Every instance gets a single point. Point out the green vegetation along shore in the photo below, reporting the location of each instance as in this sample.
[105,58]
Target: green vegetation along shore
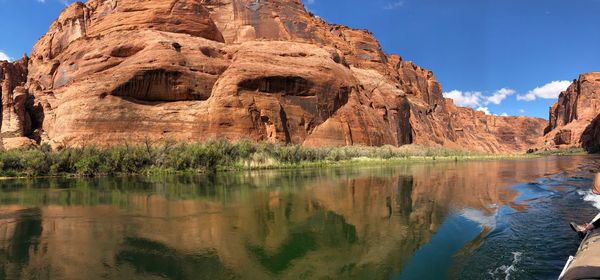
[172,157]
[563,152]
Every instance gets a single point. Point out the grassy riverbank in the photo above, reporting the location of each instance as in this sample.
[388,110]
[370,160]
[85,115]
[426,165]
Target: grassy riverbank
[170,157]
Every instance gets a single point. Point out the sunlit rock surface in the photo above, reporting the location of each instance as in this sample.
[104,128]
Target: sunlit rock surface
[18,110]
[574,118]
[109,72]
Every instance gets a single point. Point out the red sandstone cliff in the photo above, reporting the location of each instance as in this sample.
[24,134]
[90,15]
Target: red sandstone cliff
[110,71]
[574,118]
[17,107]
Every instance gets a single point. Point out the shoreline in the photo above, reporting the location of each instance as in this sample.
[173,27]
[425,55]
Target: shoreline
[222,156]
[152,171]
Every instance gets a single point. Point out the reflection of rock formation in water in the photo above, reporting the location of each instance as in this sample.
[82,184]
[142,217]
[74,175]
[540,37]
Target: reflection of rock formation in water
[154,258]
[19,237]
[339,223]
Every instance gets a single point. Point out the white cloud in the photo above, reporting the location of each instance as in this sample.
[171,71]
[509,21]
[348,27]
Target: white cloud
[486,110]
[504,115]
[476,99]
[310,2]
[521,111]
[66,2]
[466,99]
[394,5]
[4,56]
[548,91]
[498,96]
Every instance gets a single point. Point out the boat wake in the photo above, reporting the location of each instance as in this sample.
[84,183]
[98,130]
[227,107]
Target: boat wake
[590,197]
[504,271]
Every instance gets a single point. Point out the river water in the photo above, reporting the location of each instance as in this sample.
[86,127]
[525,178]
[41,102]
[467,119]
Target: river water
[450,220]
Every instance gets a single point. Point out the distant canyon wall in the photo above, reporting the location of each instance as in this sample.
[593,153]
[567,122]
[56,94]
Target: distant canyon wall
[575,117]
[115,71]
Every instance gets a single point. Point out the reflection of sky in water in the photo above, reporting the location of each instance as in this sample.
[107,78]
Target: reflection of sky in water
[480,217]
[434,260]
[532,239]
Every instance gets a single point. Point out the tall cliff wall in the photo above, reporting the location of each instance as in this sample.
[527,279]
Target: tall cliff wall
[16,128]
[115,71]
[574,118]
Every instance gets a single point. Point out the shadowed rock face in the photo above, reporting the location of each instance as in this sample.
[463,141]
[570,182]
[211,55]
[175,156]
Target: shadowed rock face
[110,71]
[574,117]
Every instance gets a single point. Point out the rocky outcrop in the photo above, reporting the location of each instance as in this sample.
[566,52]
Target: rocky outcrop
[16,126]
[109,72]
[574,117]
[493,133]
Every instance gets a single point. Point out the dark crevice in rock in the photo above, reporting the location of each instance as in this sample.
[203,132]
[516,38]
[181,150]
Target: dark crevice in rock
[590,138]
[405,131]
[109,65]
[288,85]
[157,85]
[55,66]
[284,124]
[339,59]
[211,52]
[342,98]
[298,54]
[125,51]
[176,46]
[35,113]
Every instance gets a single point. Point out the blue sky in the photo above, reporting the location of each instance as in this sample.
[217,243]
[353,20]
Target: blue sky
[506,56]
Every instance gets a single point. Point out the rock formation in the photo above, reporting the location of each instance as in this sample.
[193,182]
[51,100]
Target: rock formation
[16,126]
[115,71]
[574,118]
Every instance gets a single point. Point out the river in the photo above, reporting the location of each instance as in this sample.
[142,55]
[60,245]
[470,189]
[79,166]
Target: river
[505,219]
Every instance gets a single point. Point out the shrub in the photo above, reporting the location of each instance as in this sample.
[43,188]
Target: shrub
[209,156]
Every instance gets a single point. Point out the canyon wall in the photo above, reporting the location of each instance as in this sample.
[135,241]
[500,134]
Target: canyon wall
[574,118]
[16,127]
[116,71]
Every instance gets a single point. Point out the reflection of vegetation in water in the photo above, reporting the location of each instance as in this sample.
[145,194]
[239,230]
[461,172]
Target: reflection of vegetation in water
[154,258]
[118,190]
[295,247]
[322,230]
[111,191]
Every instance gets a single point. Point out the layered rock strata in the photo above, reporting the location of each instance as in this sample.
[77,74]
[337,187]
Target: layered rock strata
[574,118]
[109,72]
[17,127]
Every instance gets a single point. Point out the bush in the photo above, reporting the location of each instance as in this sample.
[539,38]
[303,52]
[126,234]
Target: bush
[36,162]
[209,156]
